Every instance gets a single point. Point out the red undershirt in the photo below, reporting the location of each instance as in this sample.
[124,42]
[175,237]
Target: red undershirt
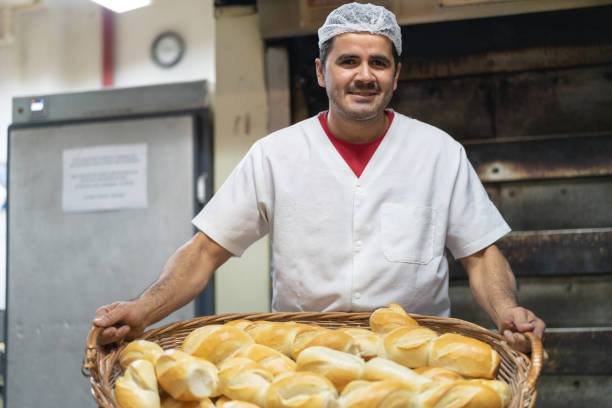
[356,155]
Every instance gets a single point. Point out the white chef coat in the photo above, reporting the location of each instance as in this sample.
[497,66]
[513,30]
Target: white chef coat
[342,243]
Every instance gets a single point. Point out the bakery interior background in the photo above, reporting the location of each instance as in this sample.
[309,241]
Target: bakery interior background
[525,85]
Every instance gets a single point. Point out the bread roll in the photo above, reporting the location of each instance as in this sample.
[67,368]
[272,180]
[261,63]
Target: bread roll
[243,379]
[408,346]
[367,341]
[273,361]
[215,342]
[241,324]
[460,394]
[139,350]
[170,402]
[224,402]
[301,390]
[332,339]
[389,318]
[438,374]
[378,394]
[338,367]
[137,387]
[464,355]
[380,369]
[185,377]
[501,388]
[276,335]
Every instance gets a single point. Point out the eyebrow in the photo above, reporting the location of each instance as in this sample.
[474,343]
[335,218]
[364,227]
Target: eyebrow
[375,57]
[343,56]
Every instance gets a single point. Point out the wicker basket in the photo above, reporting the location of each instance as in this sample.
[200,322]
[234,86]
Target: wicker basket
[101,364]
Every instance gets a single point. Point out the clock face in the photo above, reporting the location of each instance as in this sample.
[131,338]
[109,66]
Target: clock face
[167,49]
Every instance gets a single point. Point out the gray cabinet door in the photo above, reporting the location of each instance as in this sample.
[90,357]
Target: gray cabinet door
[63,265]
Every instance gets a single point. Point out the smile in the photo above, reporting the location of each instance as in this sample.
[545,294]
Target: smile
[364,94]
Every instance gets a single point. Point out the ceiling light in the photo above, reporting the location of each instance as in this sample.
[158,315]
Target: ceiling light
[120,6]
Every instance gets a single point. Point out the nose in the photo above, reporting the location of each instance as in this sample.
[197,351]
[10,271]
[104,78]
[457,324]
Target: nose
[364,73]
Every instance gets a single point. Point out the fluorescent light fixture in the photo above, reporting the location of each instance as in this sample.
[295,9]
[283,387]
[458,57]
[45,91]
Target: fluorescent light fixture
[120,6]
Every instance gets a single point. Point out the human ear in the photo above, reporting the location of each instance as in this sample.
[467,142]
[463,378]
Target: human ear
[320,68]
[396,78]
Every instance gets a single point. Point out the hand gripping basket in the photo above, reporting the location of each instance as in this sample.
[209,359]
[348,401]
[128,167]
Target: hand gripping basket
[101,364]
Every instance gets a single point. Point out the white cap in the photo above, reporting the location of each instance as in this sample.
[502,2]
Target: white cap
[355,17]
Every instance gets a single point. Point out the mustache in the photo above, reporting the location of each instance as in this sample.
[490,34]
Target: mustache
[363,86]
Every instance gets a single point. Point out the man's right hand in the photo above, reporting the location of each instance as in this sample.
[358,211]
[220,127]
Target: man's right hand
[121,320]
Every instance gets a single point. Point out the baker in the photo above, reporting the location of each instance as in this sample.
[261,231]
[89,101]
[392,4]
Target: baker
[360,203]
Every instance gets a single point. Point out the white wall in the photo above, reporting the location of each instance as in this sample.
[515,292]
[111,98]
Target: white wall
[242,285]
[137,29]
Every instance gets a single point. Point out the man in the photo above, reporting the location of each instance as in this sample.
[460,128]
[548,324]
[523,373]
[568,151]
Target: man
[360,203]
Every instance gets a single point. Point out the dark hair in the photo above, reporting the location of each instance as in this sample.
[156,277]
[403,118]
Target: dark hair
[326,48]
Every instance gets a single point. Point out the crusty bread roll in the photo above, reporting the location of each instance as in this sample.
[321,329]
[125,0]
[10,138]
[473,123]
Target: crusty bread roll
[464,355]
[139,350]
[381,369]
[276,335]
[367,341]
[385,319]
[239,323]
[332,339]
[273,361]
[460,394]
[338,367]
[137,387]
[170,402]
[185,377]
[301,390]
[224,402]
[215,342]
[243,379]
[378,394]
[438,374]
[501,388]
[408,346]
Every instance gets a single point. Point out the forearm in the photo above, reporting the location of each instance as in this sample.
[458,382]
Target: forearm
[183,277]
[491,281]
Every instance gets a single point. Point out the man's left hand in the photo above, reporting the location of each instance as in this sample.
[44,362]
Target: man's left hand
[516,320]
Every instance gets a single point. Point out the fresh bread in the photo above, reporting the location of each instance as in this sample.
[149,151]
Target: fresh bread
[381,369]
[460,394]
[243,379]
[301,390]
[170,402]
[408,346]
[438,374]
[338,367]
[367,341]
[139,350]
[224,402]
[185,377]
[464,355]
[273,361]
[276,335]
[332,339]
[137,387]
[501,388]
[378,394]
[239,323]
[385,319]
[215,342]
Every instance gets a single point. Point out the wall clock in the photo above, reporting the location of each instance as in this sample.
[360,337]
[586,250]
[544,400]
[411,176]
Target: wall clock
[167,49]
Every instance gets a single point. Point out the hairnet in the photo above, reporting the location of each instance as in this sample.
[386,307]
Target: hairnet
[355,17]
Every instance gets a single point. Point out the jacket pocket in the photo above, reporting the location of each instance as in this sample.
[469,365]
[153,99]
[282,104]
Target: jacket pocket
[407,232]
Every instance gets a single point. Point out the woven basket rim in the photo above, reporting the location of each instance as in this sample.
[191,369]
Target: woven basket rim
[101,363]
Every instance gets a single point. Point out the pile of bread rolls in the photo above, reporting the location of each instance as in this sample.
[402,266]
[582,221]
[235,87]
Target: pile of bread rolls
[248,364]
